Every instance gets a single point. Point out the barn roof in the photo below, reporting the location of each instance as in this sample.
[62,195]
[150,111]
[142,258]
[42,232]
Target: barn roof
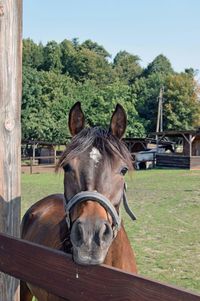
[176,133]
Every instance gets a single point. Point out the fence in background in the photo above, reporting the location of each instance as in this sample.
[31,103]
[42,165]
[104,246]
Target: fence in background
[37,164]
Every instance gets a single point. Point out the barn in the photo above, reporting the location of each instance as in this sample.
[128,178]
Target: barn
[187,149]
[135,145]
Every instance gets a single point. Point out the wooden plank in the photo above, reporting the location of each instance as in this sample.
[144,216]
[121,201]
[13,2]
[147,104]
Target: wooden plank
[56,272]
[10,140]
[175,161]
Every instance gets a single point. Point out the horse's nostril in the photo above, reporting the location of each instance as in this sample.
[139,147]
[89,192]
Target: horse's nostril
[105,232]
[77,234]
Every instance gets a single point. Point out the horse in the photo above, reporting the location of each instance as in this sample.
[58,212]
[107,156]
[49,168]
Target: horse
[85,220]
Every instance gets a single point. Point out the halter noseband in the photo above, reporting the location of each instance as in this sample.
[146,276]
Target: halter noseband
[103,201]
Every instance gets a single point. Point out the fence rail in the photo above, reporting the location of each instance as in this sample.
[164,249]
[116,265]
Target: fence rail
[33,162]
[57,273]
[31,158]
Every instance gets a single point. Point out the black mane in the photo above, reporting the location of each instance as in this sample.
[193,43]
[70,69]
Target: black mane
[103,140]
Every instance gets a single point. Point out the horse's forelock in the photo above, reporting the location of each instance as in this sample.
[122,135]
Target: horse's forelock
[103,140]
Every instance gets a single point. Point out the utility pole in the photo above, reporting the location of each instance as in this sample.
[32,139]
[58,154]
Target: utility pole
[159,125]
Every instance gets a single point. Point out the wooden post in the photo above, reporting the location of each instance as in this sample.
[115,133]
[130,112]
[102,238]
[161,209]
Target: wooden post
[154,160]
[33,149]
[190,145]
[10,129]
[55,158]
[31,165]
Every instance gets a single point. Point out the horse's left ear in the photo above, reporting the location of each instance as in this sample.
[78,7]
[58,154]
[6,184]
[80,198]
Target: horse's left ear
[76,119]
[118,122]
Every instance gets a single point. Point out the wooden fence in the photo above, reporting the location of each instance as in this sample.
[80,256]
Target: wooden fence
[177,161]
[33,163]
[57,273]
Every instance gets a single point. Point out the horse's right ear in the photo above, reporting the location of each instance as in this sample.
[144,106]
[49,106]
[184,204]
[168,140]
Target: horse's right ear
[118,122]
[76,119]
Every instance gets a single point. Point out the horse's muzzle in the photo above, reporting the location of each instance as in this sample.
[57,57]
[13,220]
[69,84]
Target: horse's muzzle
[91,240]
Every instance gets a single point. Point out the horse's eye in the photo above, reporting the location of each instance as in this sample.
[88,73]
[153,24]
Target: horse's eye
[123,171]
[67,168]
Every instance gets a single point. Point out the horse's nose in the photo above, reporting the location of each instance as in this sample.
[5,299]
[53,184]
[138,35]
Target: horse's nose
[88,233]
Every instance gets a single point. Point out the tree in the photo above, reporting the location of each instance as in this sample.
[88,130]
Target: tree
[98,49]
[160,64]
[52,57]
[47,97]
[83,63]
[32,54]
[182,103]
[57,75]
[68,57]
[126,67]
[93,66]
[181,109]
[146,91]
[100,102]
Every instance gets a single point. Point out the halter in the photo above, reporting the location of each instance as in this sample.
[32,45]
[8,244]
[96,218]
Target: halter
[103,201]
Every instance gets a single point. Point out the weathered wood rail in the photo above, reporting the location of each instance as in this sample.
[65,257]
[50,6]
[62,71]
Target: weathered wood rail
[58,274]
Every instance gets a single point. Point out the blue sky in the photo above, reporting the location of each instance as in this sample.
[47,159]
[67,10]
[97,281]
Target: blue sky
[146,28]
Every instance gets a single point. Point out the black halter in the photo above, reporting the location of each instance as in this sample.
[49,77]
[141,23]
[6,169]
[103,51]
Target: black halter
[104,202]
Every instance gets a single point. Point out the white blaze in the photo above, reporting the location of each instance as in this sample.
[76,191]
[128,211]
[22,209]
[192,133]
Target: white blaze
[95,155]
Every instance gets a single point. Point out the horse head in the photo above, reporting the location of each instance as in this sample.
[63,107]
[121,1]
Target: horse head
[94,164]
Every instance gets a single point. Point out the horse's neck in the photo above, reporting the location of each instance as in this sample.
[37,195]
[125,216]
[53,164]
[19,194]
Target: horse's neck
[120,254]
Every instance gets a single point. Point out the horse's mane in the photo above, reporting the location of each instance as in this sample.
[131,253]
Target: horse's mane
[103,140]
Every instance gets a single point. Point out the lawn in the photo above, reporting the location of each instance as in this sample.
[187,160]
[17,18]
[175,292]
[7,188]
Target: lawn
[166,235]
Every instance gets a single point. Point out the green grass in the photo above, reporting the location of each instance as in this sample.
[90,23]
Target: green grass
[166,235]
[37,186]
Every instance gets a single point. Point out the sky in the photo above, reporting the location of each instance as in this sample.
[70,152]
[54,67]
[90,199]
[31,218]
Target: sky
[145,28]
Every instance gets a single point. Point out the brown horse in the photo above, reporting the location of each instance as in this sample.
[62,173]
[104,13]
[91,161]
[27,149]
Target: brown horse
[85,221]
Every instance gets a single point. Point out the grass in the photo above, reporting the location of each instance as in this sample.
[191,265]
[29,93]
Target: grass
[166,235]
[37,186]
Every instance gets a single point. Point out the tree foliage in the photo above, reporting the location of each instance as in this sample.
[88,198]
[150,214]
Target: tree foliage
[46,99]
[32,54]
[127,67]
[147,90]
[52,57]
[181,107]
[160,64]
[98,49]
[56,75]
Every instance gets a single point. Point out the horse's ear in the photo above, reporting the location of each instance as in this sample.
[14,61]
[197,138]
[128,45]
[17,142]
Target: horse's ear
[118,122]
[76,119]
